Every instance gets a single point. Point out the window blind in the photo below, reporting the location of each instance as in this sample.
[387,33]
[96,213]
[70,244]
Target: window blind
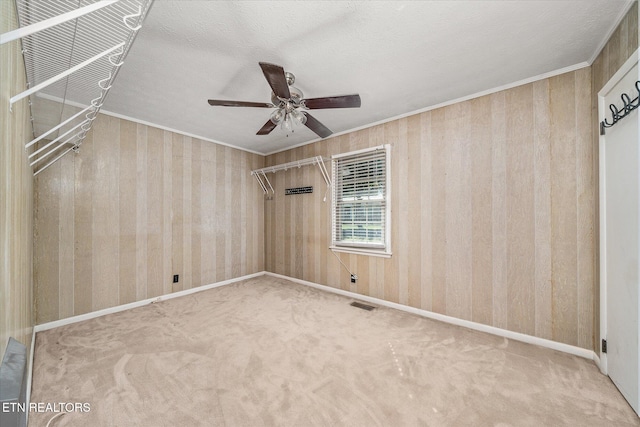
[360,200]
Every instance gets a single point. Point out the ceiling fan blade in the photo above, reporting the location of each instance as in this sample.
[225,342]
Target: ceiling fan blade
[267,128]
[346,101]
[224,103]
[276,78]
[320,129]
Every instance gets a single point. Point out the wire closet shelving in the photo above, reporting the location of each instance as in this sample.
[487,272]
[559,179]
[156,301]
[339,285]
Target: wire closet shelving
[72,52]
[261,174]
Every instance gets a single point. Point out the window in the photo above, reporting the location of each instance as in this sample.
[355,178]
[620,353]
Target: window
[360,208]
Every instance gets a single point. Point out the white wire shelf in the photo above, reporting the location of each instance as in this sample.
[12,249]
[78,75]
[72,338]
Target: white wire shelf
[72,52]
[261,174]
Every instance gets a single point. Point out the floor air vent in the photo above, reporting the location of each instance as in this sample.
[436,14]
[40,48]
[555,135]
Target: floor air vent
[362,306]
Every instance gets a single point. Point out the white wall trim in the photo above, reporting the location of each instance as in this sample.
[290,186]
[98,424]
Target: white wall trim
[447,103]
[522,82]
[554,345]
[529,339]
[613,28]
[144,122]
[123,307]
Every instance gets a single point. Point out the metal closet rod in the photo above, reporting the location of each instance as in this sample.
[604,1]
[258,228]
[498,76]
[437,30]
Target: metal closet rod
[261,174]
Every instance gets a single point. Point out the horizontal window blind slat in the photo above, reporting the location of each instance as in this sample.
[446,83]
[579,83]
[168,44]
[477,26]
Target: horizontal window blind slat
[359,200]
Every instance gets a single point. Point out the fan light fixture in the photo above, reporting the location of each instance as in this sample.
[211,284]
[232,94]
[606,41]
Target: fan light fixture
[291,109]
[289,113]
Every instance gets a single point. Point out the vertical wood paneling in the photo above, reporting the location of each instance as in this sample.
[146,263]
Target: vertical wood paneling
[231,213]
[167,188]
[481,211]
[136,206]
[305,222]
[458,211]
[221,237]
[106,218]
[208,194]
[196,212]
[297,229]
[65,255]
[520,210]
[426,232]
[438,211]
[277,180]
[177,219]
[499,209]
[16,197]
[241,254]
[505,232]
[402,180]
[83,224]
[414,212]
[47,217]
[154,213]
[186,272]
[476,219]
[563,207]
[542,190]
[585,214]
[127,212]
[257,217]
[141,210]
[288,220]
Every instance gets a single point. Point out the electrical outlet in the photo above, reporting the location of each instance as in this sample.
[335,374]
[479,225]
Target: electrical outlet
[176,278]
[354,278]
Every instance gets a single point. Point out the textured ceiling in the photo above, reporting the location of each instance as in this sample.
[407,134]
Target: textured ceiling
[399,56]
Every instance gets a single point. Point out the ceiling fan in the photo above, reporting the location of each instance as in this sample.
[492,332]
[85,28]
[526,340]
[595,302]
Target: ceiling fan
[291,107]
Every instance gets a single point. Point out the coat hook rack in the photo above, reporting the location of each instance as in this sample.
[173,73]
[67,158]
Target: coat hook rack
[628,106]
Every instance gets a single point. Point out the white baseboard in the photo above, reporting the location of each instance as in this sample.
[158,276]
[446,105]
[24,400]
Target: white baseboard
[530,339]
[123,307]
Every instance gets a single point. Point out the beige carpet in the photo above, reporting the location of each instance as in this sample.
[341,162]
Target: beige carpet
[268,352]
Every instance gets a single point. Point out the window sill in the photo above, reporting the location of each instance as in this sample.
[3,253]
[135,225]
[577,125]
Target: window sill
[361,251]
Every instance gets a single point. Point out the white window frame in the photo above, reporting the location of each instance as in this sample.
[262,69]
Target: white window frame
[381,252]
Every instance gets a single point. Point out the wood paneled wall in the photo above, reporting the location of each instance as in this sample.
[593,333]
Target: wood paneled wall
[137,205]
[495,209]
[492,212]
[623,42]
[16,194]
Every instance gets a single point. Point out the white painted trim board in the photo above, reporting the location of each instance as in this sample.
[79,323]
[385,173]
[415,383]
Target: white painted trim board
[116,309]
[123,307]
[366,126]
[529,339]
